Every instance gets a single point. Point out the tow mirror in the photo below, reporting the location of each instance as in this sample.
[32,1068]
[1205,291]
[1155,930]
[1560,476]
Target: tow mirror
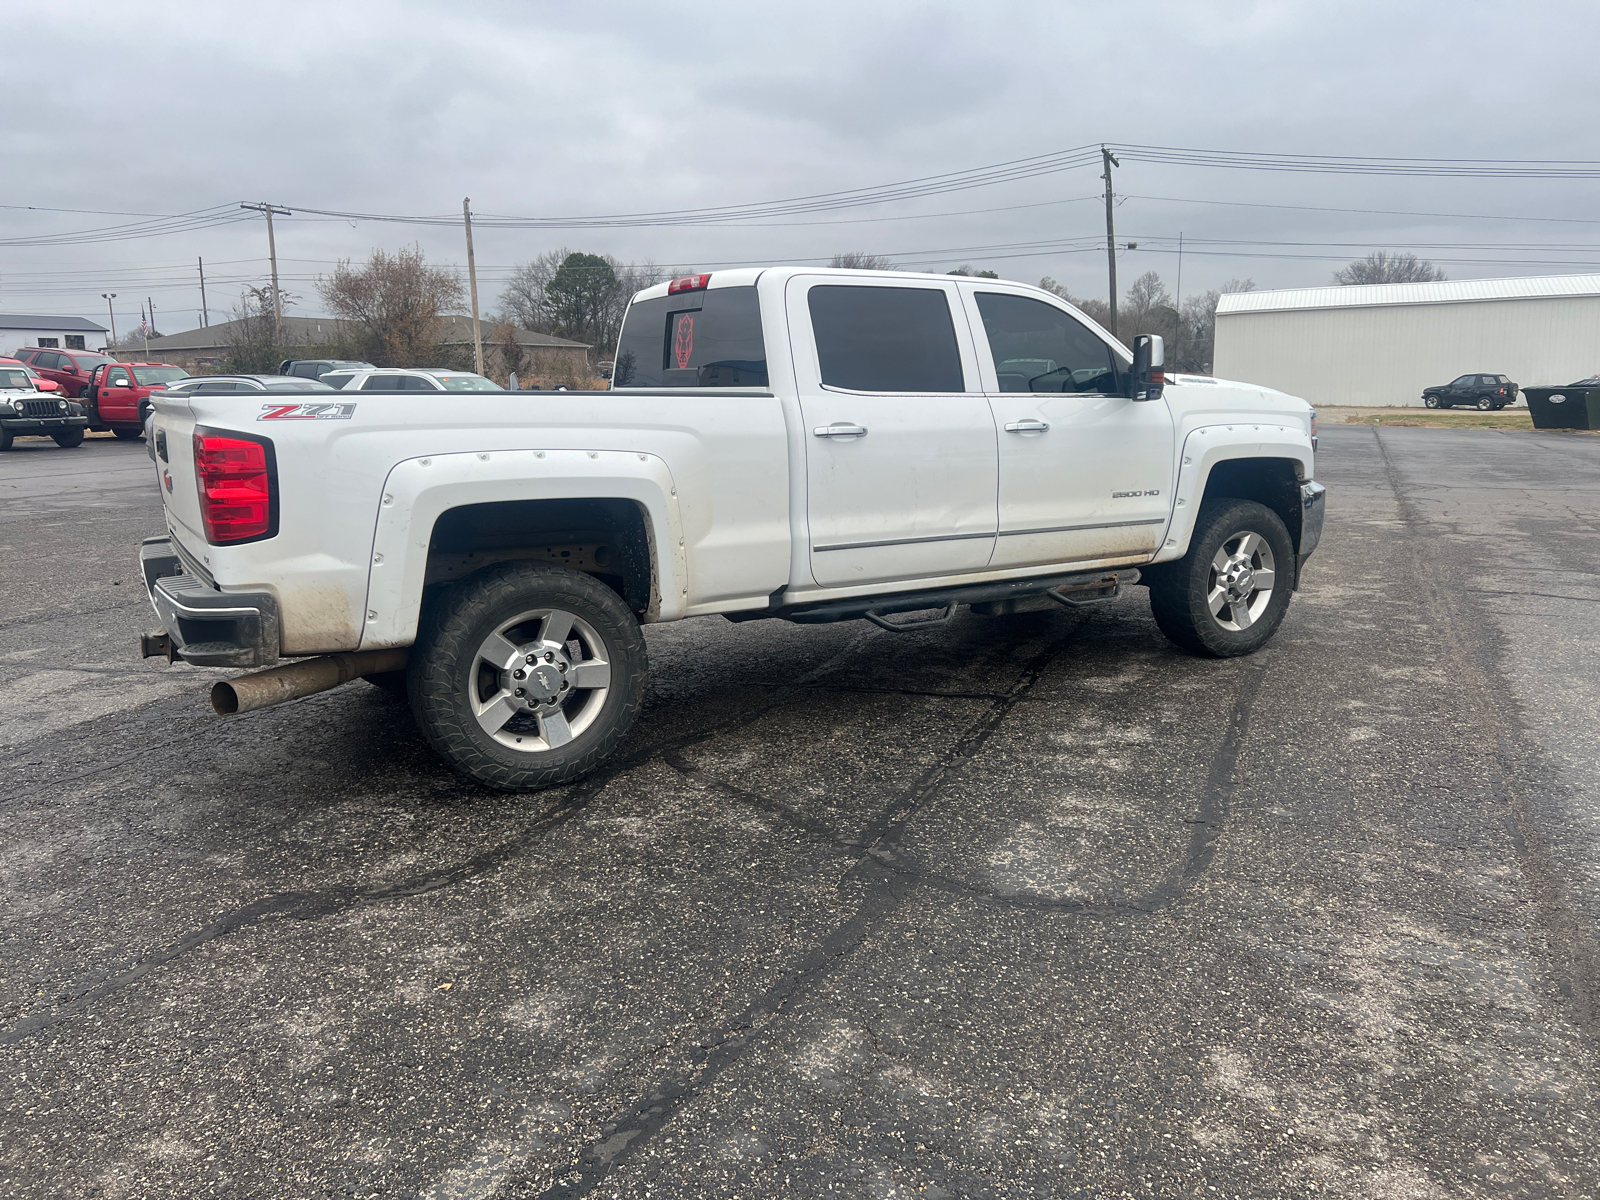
[1149,361]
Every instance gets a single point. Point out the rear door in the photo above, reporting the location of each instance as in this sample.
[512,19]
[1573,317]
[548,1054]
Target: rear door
[1085,472]
[901,464]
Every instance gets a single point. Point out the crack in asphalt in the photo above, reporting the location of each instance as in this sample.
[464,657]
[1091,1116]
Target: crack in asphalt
[886,885]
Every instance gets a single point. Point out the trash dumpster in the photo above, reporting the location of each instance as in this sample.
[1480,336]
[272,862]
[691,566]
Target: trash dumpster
[1576,407]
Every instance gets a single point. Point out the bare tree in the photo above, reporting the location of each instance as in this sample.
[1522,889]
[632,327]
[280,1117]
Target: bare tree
[860,260]
[1096,310]
[1200,325]
[1382,267]
[253,346]
[528,302]
[393,305]
[524,300]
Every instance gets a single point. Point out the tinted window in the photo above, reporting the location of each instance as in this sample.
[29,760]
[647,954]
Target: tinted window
[308,370]
[885,339]
[222,386]
[47,361]
[1464,381]
[1039,348]
[118,378]
[415,383]
[381,383]
[696,339]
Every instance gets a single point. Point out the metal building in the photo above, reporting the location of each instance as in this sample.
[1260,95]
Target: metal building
[1384,343]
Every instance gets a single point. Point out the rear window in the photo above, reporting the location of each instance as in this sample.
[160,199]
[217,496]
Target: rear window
[885,339]
[710,338]
[148,375]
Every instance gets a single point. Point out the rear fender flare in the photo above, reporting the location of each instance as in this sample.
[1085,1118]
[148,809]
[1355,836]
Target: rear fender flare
[420,490]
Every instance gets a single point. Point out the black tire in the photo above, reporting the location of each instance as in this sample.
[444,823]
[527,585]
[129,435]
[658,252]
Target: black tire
[68,439]
[448,677]
[128,433]
[1431,401]
[1485,404]
[393,682]
[1181,591]
[6,438]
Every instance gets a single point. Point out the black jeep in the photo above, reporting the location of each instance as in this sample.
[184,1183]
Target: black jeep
[1487,392]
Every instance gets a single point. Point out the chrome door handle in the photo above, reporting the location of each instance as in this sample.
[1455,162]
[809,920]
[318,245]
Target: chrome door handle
[840,429]
[1029,426]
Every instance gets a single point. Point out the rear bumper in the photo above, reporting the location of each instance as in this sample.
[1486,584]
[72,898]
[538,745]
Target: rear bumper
[1313,507]
[209,628]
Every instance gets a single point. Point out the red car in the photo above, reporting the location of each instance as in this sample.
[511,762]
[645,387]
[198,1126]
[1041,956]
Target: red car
[48,386]
[119,394]
[70,368]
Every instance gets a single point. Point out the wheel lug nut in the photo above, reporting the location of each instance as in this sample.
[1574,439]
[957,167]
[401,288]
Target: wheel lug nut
[519,691]
[519,673]
[563,668]
[549,657]
[533,658]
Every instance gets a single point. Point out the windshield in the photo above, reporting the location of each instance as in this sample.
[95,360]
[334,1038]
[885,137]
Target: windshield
[88,362]
[468,383]
[15,377]
[149,375]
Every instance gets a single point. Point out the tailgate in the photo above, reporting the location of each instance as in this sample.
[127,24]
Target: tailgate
[172,446]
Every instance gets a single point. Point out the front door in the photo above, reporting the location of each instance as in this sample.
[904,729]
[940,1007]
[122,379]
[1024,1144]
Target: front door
[901,463]
[1085,472]
[116,400]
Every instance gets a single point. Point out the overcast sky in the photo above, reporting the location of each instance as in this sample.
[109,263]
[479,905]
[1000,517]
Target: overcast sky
[564,109]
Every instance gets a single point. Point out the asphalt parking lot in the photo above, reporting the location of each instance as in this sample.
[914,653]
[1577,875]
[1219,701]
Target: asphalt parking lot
[1034,906]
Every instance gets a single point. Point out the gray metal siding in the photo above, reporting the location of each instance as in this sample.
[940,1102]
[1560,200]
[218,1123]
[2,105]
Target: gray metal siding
[1388,354]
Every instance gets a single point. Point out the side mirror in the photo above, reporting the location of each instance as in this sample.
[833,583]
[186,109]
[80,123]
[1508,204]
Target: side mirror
[1149,361]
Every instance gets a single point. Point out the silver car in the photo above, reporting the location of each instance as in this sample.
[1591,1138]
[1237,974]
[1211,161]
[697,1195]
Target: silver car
[211,384]
[403,379]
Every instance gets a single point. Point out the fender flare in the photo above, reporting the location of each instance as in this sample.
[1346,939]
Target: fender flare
[418,491]
[1204,448]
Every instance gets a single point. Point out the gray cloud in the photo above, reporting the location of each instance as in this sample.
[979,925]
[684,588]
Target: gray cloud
[543,109]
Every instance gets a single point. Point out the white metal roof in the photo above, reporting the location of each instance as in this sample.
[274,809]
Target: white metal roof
[1447,291]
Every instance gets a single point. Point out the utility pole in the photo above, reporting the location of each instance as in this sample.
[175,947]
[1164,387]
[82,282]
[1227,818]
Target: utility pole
[472,276]
[108,297]
[1111,234]
[1178,304]
[272,252]
[205,310]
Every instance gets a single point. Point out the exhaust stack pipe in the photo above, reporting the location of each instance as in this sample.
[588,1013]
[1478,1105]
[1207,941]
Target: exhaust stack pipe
[246,693]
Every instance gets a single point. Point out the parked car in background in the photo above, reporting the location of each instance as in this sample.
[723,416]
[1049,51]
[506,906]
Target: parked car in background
[243,383]
[1485,391]
[316,368]
[25,411]
[72,369]
[422,379]
[119,394]
[39,381]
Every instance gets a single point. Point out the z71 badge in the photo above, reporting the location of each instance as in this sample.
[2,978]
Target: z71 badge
[306,412]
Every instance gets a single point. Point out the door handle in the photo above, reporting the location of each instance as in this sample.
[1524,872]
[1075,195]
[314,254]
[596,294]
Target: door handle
[840,429]
[1028,426]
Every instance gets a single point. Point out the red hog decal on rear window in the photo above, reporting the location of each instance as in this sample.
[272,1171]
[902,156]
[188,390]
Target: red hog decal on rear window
[683,340]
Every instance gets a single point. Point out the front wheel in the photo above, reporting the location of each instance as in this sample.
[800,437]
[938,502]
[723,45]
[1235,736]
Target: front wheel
[527,675]
[1431,401]
[6,437]
[68,439]
[128,433]
[1229,594]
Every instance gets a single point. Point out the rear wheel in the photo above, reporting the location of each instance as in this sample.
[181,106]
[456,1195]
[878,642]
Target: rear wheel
[68,439]
[1228,595]
[1485,404]
[527,675]
[128,433]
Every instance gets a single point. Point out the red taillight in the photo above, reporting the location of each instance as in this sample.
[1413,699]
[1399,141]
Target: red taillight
[688,283]
[235,475]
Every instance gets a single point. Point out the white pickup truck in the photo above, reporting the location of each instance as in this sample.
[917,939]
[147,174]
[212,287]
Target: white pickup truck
[811,445]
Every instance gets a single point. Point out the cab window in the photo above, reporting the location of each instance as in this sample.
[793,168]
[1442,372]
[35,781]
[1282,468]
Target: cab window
[885,339]
[1040,348]
[119,377]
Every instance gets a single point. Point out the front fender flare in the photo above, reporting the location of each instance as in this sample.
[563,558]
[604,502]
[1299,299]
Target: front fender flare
[1209,445]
